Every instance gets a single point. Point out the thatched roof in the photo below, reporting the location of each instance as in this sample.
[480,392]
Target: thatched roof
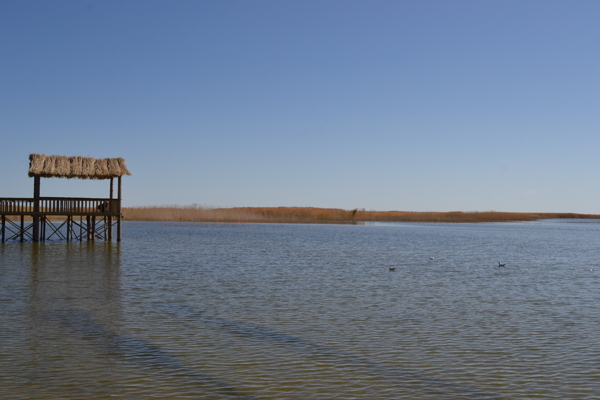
[76,167]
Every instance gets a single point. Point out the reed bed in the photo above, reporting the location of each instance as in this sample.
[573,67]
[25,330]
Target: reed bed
[194,213]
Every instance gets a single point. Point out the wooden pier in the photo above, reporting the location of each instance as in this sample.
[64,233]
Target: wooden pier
[65,218]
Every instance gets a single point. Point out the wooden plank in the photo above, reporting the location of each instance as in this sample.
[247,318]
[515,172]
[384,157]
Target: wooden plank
[73,198]
[41,214]
[14,199]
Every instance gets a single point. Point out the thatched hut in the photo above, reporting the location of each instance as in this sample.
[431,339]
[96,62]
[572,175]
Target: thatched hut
[45,166]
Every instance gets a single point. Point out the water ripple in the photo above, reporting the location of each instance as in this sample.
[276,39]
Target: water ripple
[217,311]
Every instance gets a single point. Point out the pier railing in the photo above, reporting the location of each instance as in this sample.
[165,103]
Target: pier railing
[60,206]
[36,219]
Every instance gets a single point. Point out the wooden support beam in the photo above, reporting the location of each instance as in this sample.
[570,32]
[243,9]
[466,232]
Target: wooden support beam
[22,227]
[110,205]
[88,229]
[36,208]
[3,227]
[120,217]
[68,228]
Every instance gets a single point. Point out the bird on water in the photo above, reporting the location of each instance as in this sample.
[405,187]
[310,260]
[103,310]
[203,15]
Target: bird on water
[501,265]
[392,269]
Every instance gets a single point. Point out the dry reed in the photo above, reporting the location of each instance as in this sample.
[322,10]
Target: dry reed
[196,213]
[76,167]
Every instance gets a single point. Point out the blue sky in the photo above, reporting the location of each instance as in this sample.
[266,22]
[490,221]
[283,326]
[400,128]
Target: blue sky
[385,105]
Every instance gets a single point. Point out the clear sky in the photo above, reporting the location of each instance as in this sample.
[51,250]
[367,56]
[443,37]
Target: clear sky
[384,105]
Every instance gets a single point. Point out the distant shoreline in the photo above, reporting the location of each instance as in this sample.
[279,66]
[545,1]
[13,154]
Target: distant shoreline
[314,215]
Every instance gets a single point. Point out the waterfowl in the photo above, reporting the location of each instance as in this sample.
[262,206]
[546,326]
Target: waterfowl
[501,265]
[392,269]
[432,258]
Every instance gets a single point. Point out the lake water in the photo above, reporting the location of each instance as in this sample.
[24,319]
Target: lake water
[252,311]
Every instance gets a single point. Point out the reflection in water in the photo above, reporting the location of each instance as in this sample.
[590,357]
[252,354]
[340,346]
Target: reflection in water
[84,275]
[54,277]
[73,315]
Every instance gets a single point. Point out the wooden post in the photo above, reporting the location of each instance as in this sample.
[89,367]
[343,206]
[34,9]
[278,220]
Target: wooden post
[68,228]
[22,226]
[81,228]
[119,217]
[110,209]
[93,227]
[36,208]
[88,229]
[3,227]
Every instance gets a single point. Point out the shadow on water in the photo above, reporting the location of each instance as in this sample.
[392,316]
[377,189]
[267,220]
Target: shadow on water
[75,299]
[132,349]
[425,384]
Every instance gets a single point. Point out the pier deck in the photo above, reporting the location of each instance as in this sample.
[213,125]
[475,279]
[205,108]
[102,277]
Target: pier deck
[63,218]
